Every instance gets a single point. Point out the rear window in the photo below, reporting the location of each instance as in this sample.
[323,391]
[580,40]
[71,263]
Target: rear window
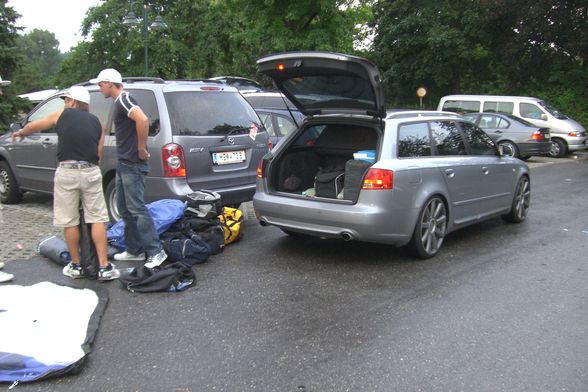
[414,140]
[205,113]
[462,106]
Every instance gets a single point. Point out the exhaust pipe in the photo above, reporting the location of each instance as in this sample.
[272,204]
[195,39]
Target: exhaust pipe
[347,236]
[263,223]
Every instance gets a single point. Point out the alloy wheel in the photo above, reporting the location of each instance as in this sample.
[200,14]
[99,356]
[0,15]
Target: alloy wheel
[522,199]
[433,226]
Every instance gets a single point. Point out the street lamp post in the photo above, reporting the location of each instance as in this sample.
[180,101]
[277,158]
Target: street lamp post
[132,20]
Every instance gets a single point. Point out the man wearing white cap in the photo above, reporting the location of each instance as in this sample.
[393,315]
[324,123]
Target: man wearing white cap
[132,129]
[78,177]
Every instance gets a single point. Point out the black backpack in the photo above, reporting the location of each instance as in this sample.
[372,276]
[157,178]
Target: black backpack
[173,277]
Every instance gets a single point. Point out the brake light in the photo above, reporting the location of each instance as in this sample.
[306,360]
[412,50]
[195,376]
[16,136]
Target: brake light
[280,67]
[260,171]
[537,135]
[173,161]
[376,179]
[207,88]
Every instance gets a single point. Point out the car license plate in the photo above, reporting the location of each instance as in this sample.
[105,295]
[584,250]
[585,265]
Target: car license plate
[223,158]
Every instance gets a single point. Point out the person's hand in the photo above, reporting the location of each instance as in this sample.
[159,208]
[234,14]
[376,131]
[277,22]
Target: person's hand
[144,154]
[15,135]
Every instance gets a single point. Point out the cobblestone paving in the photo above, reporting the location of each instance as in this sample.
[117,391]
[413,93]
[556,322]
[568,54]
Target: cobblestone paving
[23,225]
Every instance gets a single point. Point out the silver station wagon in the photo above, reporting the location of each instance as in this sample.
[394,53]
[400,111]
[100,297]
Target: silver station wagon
[353,172]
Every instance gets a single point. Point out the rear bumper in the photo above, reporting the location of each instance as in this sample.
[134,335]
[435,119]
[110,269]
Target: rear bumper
[363,221]
[536,148]
[157,188]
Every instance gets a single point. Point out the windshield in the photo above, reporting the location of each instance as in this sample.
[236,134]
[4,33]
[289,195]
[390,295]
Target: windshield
[553,111]
[209,113]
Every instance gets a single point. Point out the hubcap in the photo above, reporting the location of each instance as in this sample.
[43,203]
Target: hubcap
[433,225]
[508,149]
[554,151]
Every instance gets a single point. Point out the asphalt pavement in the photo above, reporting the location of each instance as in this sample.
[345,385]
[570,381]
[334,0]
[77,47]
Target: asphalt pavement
[501,308]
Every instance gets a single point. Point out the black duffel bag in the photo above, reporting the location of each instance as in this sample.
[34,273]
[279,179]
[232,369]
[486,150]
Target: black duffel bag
[328,182]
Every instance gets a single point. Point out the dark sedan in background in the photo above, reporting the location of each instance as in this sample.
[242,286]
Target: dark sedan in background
[518,138]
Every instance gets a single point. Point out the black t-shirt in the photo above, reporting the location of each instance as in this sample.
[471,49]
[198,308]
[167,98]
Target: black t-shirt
[78,136]
[126,130]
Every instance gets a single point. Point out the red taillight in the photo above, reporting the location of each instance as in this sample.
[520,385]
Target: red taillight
[378,179]
[208,88]
[173,161]
[260,173]
[270,145]
[280,67]
[574,134]
[537,135]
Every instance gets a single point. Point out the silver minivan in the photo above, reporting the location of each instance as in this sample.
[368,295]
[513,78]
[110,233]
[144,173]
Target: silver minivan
[567,135]
[202,135]
[354,172]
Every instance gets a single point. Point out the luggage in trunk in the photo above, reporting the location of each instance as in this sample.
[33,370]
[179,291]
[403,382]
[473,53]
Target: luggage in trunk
[355,169]
[328,182]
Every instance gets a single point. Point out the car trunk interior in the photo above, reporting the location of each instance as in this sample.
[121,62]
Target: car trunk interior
[320,161]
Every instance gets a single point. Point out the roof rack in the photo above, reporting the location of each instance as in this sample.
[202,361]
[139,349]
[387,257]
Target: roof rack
[143,79]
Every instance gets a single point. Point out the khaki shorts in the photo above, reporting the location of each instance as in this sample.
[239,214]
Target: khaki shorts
[73,185]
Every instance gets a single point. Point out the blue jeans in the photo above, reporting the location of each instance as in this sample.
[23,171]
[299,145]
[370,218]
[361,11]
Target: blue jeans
[140,233]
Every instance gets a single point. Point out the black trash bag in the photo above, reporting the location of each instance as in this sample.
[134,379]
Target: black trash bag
[173,277]
[88,256]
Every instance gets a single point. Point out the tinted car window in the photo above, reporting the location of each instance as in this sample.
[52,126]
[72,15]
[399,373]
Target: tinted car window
[530,111]
[286,126]
[195,113]
[47,108]
[480,143]
[266,120]
[447,138]
[414,140]
[499,107]
[462,106]
[100,106]
[147,102]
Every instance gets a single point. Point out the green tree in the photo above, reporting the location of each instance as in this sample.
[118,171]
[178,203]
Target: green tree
[10,105]
[41,61]
[208,38]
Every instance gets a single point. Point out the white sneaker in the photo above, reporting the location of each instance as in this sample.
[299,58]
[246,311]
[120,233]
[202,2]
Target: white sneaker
[156,260]
[126,256]
[2,264]
[4,277]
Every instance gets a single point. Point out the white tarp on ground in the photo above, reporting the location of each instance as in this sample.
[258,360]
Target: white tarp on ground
[46,328]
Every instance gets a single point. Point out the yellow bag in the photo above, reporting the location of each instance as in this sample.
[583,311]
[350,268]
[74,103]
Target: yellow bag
[230,220]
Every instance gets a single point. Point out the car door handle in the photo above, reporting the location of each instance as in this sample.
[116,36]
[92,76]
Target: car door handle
[47,142]
[449,173]
[485,170]
[497,131]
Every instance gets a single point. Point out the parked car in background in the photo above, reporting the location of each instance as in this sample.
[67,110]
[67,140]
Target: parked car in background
[518,138]
[355,173]
[202,135]
[566,134]
[241,84]
[279,116]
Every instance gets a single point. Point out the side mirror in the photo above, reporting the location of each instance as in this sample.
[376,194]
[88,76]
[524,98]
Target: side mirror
[500,149]
[15,127]
[543,116]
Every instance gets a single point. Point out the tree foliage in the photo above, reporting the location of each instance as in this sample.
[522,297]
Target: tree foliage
[10,105]
[510,47]
[208,38]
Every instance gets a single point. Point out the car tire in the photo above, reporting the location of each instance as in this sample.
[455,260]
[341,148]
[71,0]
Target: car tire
[430,228]
[520,203]
[110,196]
[9,192]
[509,149]
[558,148]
